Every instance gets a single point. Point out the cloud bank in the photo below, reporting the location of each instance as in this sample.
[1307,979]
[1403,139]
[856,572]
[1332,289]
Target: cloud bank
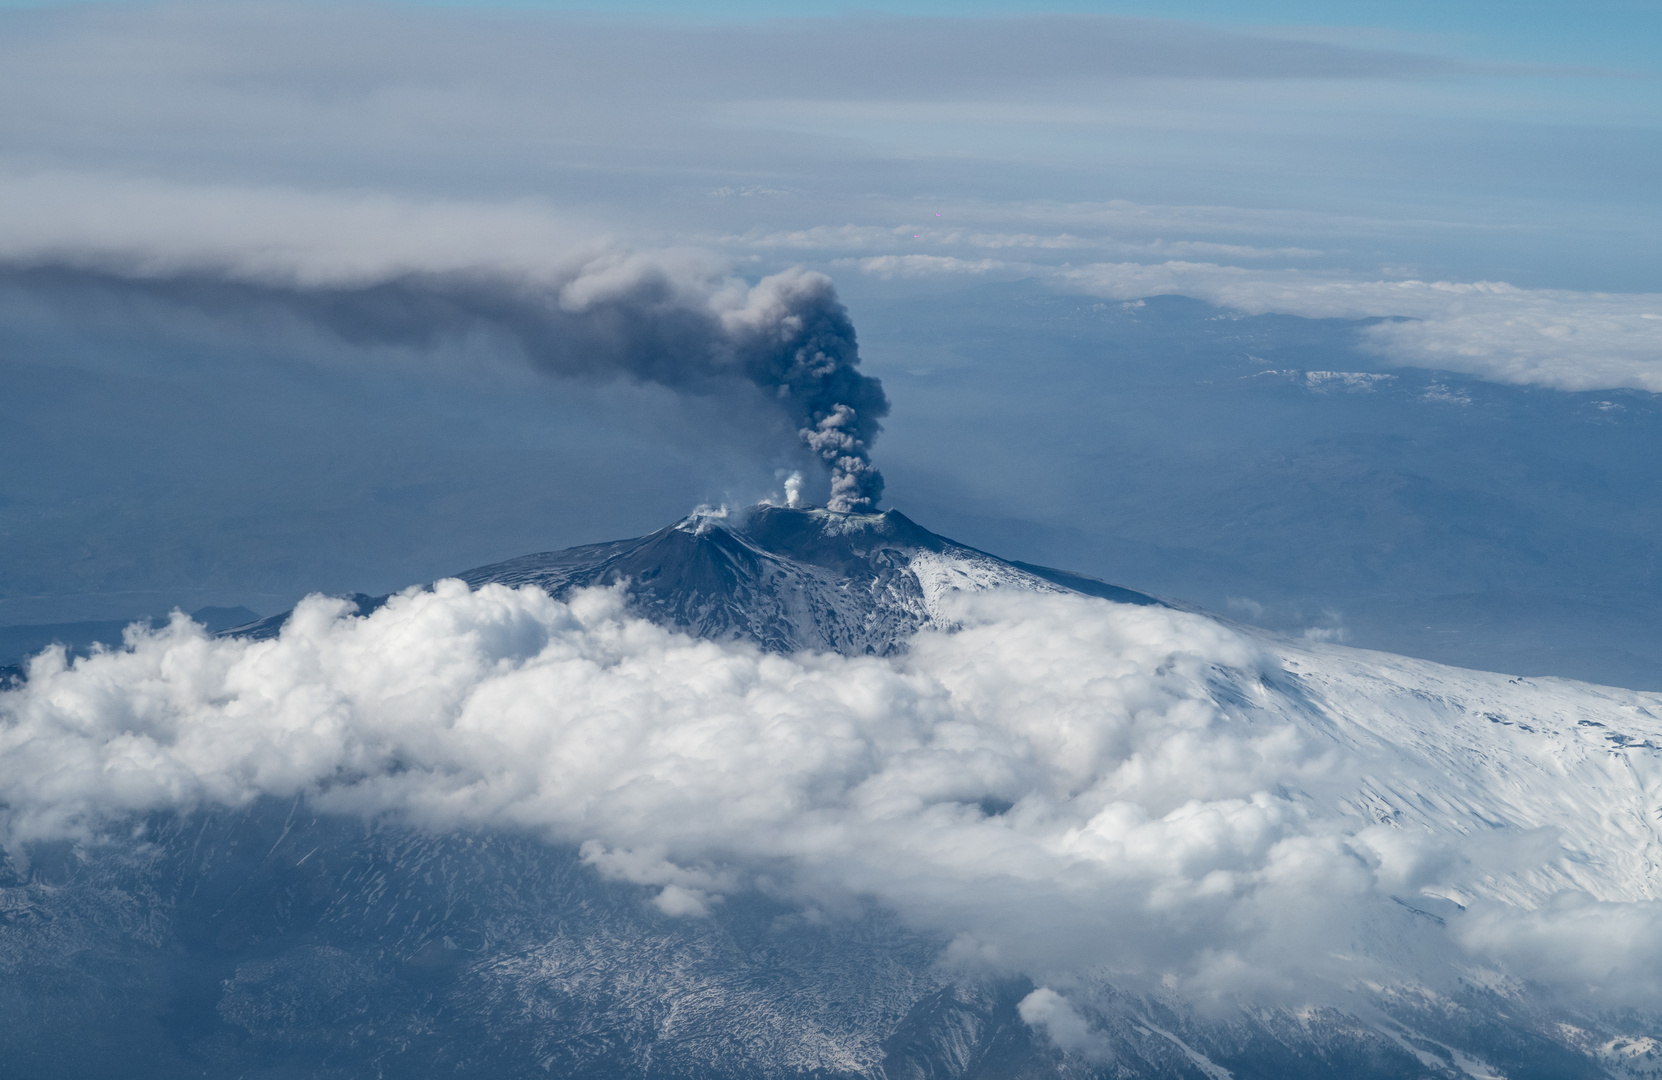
[1557,338]
[1066,787]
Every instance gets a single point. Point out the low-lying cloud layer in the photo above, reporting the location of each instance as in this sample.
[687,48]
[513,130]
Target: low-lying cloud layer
[1065,787]
[1544,337]
[1556,338]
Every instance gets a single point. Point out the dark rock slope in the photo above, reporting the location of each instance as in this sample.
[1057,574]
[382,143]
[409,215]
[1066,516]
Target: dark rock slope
[784,578]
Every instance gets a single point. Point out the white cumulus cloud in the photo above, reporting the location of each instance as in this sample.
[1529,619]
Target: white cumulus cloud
[1063,787]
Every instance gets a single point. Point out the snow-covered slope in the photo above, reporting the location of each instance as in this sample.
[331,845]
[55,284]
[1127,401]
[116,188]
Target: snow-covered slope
[896,809]
[1459,753]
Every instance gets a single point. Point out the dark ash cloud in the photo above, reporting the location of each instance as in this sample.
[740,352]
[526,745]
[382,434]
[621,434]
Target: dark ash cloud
[617,317]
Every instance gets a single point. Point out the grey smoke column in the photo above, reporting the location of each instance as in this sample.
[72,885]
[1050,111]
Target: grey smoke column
[788,335]
[795,339]
[630,317]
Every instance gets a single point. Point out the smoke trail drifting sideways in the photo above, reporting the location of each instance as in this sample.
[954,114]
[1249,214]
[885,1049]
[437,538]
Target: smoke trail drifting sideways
[788,335]
[648,319]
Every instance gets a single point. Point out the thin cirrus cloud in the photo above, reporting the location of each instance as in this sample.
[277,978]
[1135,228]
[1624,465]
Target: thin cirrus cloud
[518,101]
[121,77]
[853,58]
[629,124]
[857,237]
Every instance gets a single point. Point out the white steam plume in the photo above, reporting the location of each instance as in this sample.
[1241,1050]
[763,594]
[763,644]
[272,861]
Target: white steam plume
[1063,787]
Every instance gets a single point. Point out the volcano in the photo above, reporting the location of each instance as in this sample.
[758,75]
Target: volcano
[784,578]
[790,579]
[264,935]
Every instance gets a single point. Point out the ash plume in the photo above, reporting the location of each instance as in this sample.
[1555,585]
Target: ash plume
[788,336]
[651,320]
